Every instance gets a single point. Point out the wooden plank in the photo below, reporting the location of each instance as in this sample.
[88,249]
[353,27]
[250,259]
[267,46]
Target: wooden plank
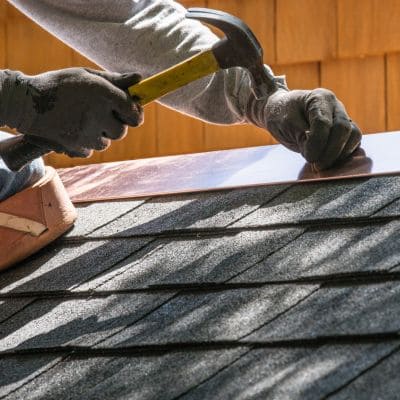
[33,50]
[193,3]
[259,15]
[11,11]
[178,133]
[368,27]
[3,48]
[393,91]
[3,10]
[78,60]
[219,137]
[305,30]
[300,76]
[360,84]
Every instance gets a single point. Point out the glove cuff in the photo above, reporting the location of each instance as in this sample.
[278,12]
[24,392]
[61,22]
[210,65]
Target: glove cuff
[15,101]
[255,108]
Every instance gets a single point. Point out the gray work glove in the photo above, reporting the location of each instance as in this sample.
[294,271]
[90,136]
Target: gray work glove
[311,122]
[72,110]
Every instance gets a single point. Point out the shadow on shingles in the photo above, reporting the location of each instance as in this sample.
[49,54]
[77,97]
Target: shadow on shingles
[316,315]
[85,266]
[65,276]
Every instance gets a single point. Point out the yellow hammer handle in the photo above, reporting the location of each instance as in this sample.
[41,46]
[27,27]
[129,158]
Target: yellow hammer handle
[158,85]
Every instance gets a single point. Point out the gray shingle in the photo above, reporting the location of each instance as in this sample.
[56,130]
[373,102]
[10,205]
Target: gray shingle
[16,372]
[156,377]
[337,311]
[92,216]
[201,210]
[227,315]
[52,322]
[10,307]
[343,199]
[274,312]
[295,374]
[393,209]
[321,252]
[62,266]
[193,260]
[380,382]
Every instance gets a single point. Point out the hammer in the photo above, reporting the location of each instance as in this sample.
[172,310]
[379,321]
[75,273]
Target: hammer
[239,48]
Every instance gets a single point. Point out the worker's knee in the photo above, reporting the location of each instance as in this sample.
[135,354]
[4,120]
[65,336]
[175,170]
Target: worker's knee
[13,182]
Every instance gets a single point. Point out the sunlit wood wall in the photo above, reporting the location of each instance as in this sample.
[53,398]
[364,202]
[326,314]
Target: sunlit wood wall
[349,46]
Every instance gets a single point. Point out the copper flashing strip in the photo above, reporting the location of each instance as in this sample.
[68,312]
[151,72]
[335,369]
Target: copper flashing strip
[227,169]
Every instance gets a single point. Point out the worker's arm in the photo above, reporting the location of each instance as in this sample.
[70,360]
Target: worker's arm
[72,111]
[151,35]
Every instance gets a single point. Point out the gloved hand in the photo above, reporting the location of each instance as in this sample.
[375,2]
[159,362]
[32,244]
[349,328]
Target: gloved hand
[311,122]
[72,111]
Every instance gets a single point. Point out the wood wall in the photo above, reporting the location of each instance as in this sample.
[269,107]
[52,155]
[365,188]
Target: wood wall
[349,46]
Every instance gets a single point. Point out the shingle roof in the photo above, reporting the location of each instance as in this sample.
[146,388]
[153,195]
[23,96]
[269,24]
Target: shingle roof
[269,292]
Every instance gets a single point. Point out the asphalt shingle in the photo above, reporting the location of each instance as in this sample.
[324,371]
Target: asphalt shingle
[315,201]
[359,310]
[92,216]
[54,322]
[193,260]
[337,251]
[296,374]
[66,266]
[17,371]
[127,378]
[280,286]
[379,382]
[227,315]
[200,210]
[9,308]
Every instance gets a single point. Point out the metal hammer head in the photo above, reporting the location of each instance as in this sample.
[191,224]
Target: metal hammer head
[239,48]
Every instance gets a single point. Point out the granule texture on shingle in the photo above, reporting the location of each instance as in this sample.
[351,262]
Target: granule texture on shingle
[286,292]
[292,373]
[335,311]
[336,251]
[142,378]
[66,266]
[311,201]
[193,259]
[9,307]
[201,210]
[92,216]
[18,372]
[379,382]
[84,322]
[226,315]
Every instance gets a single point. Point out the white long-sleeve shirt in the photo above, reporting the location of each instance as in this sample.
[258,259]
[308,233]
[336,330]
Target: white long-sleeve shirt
[146,36]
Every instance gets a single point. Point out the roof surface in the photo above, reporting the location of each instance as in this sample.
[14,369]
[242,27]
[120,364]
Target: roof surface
[270,292]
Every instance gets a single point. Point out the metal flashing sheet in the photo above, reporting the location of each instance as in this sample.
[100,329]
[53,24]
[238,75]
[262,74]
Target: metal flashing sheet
[226,169]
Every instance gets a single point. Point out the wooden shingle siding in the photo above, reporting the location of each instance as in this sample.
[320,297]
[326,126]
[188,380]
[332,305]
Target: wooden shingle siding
[368,27]
[393,91]
[305,30]
[360,84]
[31,49]
[258,14]
[349,46]
[300,76]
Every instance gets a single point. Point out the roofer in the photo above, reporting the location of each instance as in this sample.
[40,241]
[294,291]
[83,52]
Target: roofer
[79,110]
